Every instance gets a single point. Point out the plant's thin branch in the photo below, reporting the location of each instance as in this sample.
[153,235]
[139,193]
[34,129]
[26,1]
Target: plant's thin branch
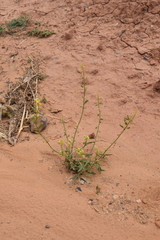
[119,135]
[83,106]
[99,122]
[64,128]
[48,143]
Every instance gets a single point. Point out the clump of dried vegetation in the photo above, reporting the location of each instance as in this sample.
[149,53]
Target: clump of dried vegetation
[18,107]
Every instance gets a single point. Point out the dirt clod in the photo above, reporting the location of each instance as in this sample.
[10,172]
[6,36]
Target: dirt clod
[157,222]
[156,86]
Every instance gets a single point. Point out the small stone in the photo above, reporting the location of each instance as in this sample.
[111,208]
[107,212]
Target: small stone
[47,226]
[144,201]
[146,58]
[115,197]
[79,189]
[123,31]
[138,201]
[91,201]
[81,182]
[128,201]
[55,110]
[38,123]
[91,136]
[144,222]
[117,184]
[117,52]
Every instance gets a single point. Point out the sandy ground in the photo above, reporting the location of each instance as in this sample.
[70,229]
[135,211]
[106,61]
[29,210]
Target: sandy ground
[119,44]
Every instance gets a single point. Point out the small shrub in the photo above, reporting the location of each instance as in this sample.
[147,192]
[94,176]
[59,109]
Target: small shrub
[2,30]
[21,22]
[40,34]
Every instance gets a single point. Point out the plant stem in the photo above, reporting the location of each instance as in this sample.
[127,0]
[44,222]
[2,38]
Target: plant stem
[99,122]
[65,130]
[83,106]
[48,143]
[119,135]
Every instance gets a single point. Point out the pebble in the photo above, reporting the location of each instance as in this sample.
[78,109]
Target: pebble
[40,124]
[115,197]
[138,201]
[146,58]
[81,182]
[144,201]
[91,201]
[79,189]
[117,52]
[123,31]
[144,222]
[47,226]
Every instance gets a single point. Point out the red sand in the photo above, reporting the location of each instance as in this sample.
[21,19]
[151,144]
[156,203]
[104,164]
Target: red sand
[119,44]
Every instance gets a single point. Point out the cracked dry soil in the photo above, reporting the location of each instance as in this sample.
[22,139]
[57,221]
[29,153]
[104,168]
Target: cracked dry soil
[119,44]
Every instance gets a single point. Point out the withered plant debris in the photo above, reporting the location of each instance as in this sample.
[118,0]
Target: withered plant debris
[19,103]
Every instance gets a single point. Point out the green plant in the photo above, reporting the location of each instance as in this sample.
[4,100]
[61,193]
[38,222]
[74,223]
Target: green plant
[42,76]
[44,100]
[84,160]
[40,34]
[2,30]
[21,21]
[36,120]
[29,60]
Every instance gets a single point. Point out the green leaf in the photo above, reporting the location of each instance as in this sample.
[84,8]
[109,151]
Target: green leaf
[84,179]
[105,155]
[80,167]
[75,177]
